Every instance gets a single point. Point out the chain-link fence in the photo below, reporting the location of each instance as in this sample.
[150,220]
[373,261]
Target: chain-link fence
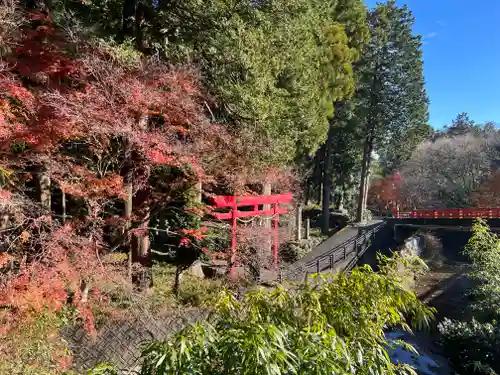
[120,340]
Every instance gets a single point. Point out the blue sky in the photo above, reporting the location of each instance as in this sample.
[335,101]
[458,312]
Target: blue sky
[461,57]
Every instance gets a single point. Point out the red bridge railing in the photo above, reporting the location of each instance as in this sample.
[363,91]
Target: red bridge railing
[450,213]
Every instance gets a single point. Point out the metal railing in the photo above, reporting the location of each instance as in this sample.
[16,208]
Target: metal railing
[338,254]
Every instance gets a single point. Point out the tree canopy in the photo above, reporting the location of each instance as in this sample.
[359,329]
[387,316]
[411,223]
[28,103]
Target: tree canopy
[119,120]
[456,167]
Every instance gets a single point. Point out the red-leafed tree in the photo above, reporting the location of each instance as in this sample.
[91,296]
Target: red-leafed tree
[92,149]
[385,193]
[488,194]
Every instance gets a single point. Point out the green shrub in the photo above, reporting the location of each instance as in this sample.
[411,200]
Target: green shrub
[334,325]
[102,369]
[292,251]
[193,291]
[472,347]
[483,249]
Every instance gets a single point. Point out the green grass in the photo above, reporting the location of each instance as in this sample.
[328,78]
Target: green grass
[192,292]
[35,347]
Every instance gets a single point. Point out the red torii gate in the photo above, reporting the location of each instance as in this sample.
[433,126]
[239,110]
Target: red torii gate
[234,202]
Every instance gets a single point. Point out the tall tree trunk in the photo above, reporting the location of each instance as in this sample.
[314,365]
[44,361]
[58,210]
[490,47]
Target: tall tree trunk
[134,14]
[362,184]
[298,223]
[365,171]
[318,173]
[4,220]
[367,152]
[129,18]
[141,254]
[140,251]
[127,174]
[267,190]
[128,223]
[307,192]
[44,188]
[327,181]
[4,224]
[367,187]
[339,201]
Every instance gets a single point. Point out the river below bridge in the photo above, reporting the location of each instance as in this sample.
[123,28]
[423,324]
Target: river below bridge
[444,287]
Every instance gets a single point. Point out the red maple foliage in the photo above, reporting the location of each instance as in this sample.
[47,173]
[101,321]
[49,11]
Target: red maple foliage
[385,193]
[488,194]
[92,122]
[52,104]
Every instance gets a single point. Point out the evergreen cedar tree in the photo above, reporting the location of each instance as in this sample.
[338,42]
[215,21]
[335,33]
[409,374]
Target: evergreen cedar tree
[386,114]
[107,132]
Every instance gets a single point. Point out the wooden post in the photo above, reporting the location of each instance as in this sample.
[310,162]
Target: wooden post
[308,229]
[298,223]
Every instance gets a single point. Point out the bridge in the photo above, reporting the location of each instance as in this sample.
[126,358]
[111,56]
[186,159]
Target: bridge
[459,219]
[450,213]
[359,244]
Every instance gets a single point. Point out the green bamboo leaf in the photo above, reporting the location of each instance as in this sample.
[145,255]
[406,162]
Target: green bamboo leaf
[161,360]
